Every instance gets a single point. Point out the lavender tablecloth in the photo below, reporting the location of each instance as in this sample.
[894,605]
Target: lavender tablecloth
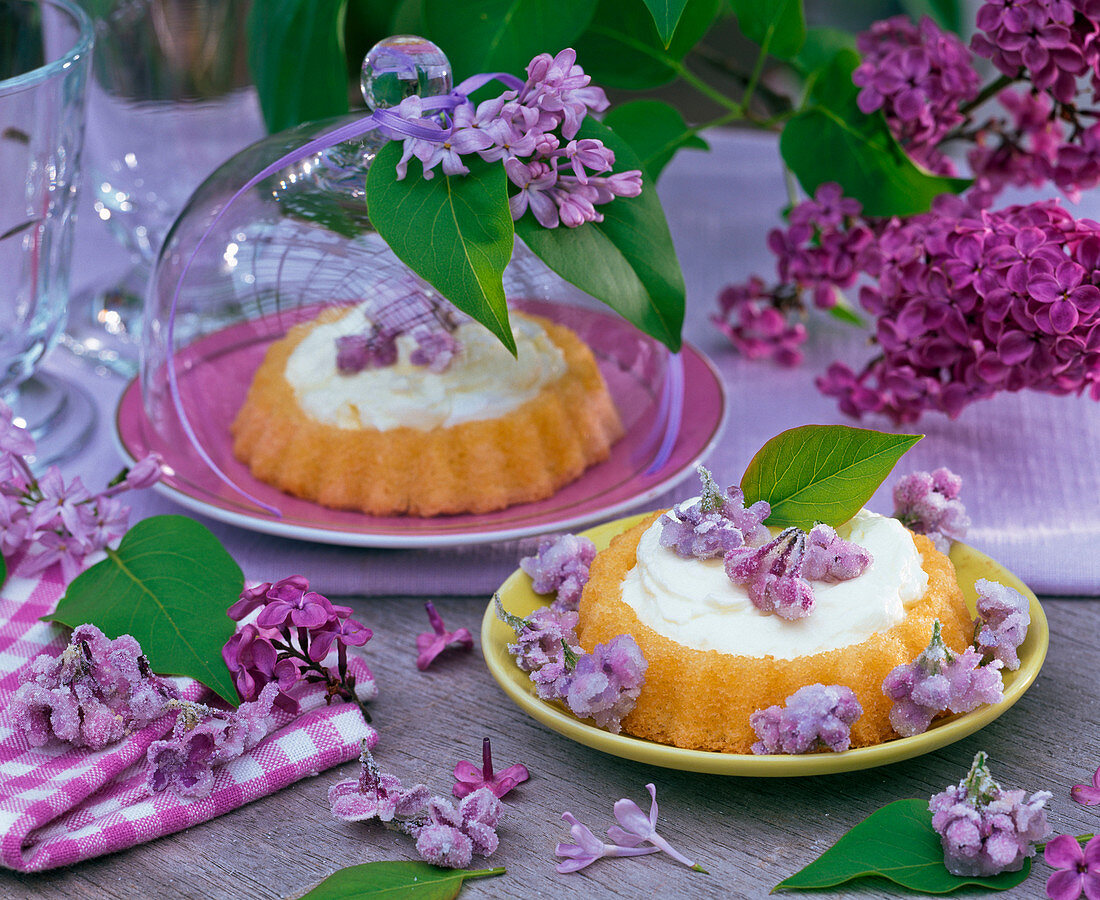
[1031,463]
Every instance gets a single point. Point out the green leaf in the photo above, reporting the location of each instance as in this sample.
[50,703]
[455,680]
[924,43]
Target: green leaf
[627,260]
[296,56]
[168,584]
[622,48]
[843,312]
[3,570]
[396,880]
[408,18]
[503,35]
[945,13]
[654,130]
[833,140]
[820,47]
[454,231]
[897,843]
[821,473]
[666,16]
[778,26]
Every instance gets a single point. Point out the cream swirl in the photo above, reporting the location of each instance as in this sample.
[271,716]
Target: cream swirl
[693,602]
[484,381]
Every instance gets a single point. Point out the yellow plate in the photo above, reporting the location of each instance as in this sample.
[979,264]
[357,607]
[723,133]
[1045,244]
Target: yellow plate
[519,599]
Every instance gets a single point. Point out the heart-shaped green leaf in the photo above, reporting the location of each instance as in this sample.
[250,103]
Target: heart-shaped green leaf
[821,473]
[503,35]
[454,231]
[627,260]
[820,47]
[897,843]
[287,38]
[394,881]
[168,585]
[832,139]
[779,26]
[654,130]
[666,16]
[621,47]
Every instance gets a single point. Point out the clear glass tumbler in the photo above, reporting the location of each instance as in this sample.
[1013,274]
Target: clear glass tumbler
[171,98]
[45,55]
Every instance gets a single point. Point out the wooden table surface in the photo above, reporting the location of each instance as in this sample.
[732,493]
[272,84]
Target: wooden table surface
[748,833]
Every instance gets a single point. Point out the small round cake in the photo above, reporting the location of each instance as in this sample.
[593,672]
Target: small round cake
[483,432]
[714,658]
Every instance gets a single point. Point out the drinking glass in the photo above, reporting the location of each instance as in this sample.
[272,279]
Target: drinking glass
[170,100]
[45,54]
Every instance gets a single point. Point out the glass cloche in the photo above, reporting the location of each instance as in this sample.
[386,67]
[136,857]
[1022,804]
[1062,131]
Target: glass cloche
[241,268]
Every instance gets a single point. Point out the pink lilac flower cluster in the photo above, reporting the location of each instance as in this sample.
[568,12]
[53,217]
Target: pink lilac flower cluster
[559,177]
[939,680]
[920,77]
[985,829]
[48,521]
[430,325]
[560,566]
[469,778]
[928,503]
[95,693]
[715,522]
[289,642]
[634,829]
[1052,42]
[204,738]
[970,303]
[1078,870]
[815,717]
[778,573]
[446,835]
[429,644]
[602,685]
[1002,623]
[755,319]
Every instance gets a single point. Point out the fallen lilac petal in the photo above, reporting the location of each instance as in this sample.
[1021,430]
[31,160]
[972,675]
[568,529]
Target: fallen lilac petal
[588,848]
[638,828]
[1088,794]
[470,778]
[432,643]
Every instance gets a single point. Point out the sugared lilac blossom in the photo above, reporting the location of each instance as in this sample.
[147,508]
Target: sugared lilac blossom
[777,574]
[815,717]
[940,680]
[427,322]
[94,693]
[928,503]
[203,739]
[1003,619]
[446,835]
[587,848]
[985,829]
[560,566]
[430,644]
[602,685]
[469,778]
[635,827]
[376,794]
[714,523]
[605,683]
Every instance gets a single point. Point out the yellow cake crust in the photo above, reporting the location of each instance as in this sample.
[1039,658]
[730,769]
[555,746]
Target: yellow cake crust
[472,467]
[702,699]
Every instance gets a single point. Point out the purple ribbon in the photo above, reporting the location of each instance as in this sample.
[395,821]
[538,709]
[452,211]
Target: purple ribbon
[391,124]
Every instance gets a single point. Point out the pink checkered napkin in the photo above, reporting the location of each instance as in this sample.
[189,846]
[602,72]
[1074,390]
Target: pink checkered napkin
[59,805]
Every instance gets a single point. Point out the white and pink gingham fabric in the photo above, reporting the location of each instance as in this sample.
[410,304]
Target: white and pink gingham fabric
[60,805]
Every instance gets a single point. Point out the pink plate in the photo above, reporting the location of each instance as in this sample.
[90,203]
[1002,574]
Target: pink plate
[229,357]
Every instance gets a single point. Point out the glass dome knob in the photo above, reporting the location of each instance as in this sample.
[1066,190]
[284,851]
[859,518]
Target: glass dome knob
[401,66]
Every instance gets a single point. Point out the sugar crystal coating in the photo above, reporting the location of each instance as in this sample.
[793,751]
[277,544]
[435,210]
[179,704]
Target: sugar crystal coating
[816,717]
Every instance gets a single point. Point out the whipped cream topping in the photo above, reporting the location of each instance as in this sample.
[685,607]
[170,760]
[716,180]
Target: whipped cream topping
[483,382]
[693,602]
